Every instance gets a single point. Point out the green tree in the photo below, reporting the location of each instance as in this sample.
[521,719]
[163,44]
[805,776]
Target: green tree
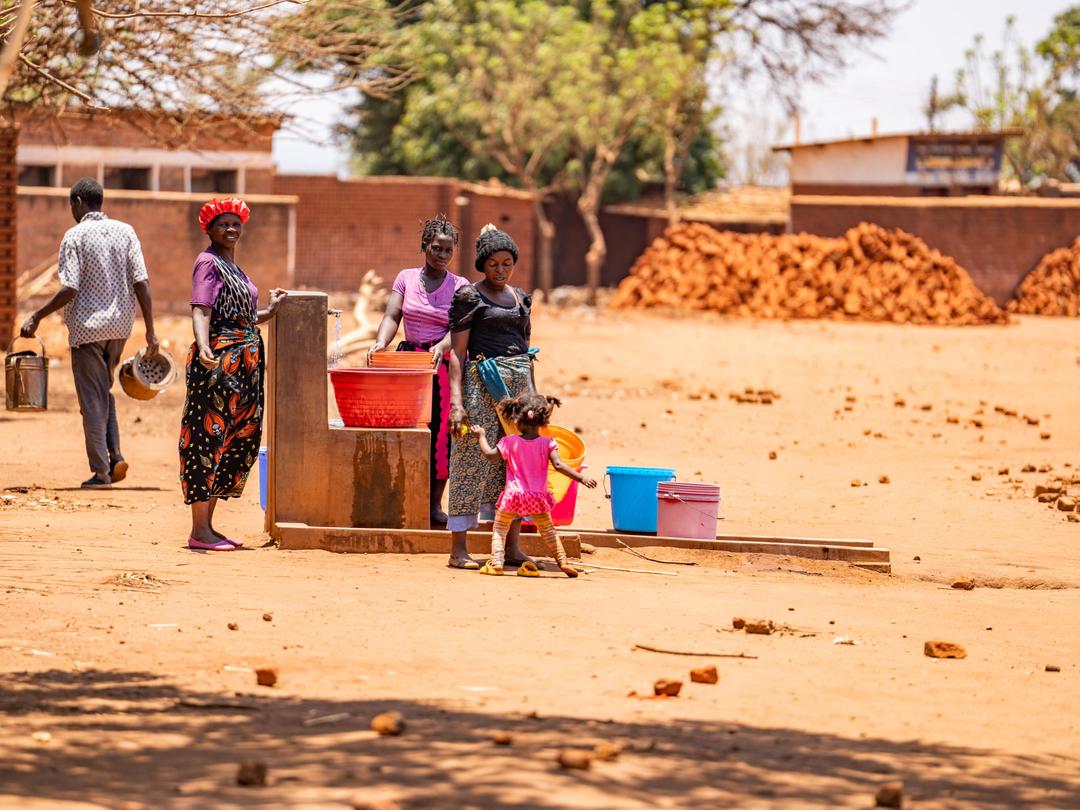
[632,73]
[552,94]
[1061,48]
[501,78]
[1031,90]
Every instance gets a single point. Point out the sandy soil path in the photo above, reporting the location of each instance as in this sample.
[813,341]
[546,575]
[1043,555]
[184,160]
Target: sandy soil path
[120,680]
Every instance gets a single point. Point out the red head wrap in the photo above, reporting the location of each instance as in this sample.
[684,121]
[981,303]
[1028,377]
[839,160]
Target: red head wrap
[216,207]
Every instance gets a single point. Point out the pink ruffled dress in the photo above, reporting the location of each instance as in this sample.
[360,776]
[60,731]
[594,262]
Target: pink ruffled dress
[526,492]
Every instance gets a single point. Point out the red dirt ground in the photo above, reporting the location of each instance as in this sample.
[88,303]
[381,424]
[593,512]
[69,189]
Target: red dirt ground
[133,689]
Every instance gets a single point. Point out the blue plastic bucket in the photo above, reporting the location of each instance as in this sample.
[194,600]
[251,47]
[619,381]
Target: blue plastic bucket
[262,477]
[633,496]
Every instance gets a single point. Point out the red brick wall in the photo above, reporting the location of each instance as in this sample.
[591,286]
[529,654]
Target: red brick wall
[8,232]
[998,240]
[171,178]
[74,172]
[508,211]
[167,225]
[258,181]
[346,227]
[626,235]
[131,128]
[854,190]
[626,238]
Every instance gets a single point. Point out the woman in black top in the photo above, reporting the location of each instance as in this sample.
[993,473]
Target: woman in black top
[489,321]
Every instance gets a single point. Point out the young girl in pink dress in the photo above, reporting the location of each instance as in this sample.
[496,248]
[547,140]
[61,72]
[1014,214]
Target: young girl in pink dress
[526,493]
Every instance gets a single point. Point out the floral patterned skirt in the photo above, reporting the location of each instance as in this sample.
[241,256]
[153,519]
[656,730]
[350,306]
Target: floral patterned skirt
[222,422]
[475,481]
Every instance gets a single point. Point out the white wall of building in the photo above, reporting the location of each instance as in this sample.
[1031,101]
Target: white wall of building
[882,161]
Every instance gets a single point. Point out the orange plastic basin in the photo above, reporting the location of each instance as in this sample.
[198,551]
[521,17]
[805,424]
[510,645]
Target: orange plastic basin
[401,360]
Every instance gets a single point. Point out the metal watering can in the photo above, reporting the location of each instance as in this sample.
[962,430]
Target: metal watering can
[26,376]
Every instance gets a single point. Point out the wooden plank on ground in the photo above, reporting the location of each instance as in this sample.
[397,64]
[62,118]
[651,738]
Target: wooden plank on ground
[295,536]
[769,538]
[876,559]
[343,540]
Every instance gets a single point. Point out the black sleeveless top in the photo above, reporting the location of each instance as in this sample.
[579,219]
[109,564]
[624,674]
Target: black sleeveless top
[494,330]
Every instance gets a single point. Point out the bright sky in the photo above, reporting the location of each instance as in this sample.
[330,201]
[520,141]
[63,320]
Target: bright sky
[929,38]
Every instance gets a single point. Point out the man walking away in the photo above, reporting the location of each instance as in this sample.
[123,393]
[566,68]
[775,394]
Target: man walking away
[102,273]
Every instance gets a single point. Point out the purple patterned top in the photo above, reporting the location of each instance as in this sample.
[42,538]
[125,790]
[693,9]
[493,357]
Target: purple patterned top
[426,315]
[213,274]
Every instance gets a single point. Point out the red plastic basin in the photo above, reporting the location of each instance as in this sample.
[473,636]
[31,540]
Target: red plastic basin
[382,397]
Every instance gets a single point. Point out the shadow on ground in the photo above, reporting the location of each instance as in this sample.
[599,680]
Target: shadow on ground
[131,736]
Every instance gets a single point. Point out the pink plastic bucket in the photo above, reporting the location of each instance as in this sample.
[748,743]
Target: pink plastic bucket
[687,510]
[562,513]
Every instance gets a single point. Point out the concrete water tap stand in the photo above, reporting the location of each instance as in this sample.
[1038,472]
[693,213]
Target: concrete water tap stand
[362,490]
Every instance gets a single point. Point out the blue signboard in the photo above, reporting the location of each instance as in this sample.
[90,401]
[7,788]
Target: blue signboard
[943,161]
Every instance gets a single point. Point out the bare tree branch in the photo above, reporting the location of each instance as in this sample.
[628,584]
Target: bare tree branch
[795,41]
[90,102]
[201,15]
[14,43]
[197,62]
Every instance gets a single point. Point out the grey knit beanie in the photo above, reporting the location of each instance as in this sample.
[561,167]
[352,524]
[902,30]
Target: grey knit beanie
[492,240]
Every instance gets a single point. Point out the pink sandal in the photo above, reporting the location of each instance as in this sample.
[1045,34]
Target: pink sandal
[199,545]
[235,543]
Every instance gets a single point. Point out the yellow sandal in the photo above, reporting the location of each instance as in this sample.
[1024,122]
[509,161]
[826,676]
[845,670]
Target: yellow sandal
[491,570]
[528,569]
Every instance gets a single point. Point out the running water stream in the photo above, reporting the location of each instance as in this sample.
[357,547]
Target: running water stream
[335,348]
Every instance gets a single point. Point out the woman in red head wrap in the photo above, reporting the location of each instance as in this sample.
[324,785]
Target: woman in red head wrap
[222,422]
[215,208]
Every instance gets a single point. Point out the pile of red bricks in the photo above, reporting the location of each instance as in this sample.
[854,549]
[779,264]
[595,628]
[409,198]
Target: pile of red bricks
[869,274]
[1052,288]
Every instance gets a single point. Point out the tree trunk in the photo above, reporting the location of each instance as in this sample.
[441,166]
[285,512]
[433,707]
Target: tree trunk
[545,267]
[671,179]
[588,206]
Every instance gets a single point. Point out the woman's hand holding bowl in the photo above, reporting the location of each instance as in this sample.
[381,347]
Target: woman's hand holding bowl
[378,346]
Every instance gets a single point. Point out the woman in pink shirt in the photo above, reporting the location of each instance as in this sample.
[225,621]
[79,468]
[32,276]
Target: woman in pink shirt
[421,297]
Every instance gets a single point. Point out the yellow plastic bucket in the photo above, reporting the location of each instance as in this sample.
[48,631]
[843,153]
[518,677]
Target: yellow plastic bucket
[571,451]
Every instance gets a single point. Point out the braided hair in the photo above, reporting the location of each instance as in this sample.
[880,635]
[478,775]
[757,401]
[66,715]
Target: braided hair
[490,241]
[440,226]
[528,410]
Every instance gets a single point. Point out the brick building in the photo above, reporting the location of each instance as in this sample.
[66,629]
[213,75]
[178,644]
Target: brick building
[8,213]
[307,231]
[135,151]
[912,164]
[944,188]
[155,179]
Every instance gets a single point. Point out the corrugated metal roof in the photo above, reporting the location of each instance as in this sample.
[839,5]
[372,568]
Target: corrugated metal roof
[997,134]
